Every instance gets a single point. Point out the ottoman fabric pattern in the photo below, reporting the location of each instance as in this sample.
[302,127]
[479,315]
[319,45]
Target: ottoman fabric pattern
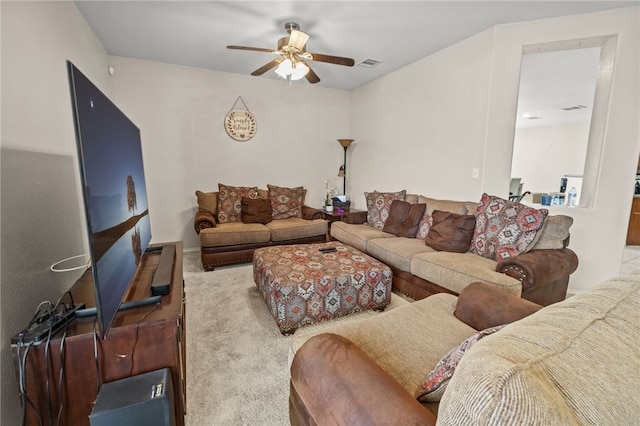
[302,285]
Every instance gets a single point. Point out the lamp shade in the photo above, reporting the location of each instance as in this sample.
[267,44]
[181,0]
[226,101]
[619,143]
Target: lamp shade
[294,72]
[345,142]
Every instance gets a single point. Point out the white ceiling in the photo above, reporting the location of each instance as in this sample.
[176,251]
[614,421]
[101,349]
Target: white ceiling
[196,33]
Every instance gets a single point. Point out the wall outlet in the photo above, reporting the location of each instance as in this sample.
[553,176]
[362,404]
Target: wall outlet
[475,173]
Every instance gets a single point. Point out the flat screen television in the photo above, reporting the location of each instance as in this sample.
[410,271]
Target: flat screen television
[114,193]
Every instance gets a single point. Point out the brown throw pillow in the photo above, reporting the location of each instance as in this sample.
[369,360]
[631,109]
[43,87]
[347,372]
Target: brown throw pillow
[256,211]
[404,218]
[451,231]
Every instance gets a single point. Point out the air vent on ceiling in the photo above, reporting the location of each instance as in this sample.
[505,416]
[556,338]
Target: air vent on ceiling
[571,108]
[369,63]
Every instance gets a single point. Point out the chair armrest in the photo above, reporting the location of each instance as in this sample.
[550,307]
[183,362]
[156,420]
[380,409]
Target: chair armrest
[333,382]
[354,217]
[482,306]
[539,268]
[202,220]
[311,213]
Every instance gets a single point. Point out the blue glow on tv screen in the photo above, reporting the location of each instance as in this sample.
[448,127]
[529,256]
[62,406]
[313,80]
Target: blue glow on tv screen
[114,193]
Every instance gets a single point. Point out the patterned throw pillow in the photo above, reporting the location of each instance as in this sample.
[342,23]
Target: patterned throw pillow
[435,383]
[504,228]
[230,201]
[378,205]
[423,226]
[286,202]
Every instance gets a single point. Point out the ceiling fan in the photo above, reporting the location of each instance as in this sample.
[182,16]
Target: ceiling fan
[292,63]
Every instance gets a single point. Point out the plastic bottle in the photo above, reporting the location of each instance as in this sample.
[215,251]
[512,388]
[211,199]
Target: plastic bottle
[555,200]
[572,197]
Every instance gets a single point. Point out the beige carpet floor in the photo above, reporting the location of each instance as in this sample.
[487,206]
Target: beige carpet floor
[237,359]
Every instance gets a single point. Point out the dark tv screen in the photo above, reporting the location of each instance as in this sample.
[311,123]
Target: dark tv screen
[114,193]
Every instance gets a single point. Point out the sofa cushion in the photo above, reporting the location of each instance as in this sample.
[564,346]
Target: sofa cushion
[403,354]
[454,271]
[554,233]
[232,233]
[295,227]
[378,205]
[435,383]
[286,202]
[230,201]
[396,252]
[451,231]
[208,201]
[256,210]
[573,362]
[357,235]
[403,218]
[505,228]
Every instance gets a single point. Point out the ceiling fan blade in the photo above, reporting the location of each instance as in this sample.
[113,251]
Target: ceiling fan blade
[254,49]
[267,67]
[311,76]
[338,60]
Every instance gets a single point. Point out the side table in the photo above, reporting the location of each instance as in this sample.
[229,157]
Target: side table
[334,216]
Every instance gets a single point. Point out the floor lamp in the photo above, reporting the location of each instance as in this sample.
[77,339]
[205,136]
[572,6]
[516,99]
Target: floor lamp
[343,169]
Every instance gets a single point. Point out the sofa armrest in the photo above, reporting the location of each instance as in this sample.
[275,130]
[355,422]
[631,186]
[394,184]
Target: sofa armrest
[333,382]
[354,217]
[202,220]
[539,268]
[482,306]
[311,213]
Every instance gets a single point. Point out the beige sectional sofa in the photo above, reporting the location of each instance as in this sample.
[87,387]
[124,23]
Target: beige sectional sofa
[235,241]
[571,363]
[540,275]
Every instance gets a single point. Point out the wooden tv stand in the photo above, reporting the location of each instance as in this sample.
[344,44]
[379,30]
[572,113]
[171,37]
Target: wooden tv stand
[142,339]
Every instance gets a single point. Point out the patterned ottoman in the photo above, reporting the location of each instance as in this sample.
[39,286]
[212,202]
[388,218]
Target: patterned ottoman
[303,285]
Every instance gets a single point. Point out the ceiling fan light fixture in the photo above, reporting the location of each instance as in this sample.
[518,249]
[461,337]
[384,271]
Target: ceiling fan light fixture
[287,69]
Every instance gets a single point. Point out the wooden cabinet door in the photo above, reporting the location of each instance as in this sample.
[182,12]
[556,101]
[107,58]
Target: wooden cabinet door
[633,233]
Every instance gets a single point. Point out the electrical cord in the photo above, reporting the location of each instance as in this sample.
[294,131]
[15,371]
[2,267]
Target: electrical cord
[61,372]
[22,369]
[95,354]
[135,342]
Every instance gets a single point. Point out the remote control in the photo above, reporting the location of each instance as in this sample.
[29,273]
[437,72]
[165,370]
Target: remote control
[327,249]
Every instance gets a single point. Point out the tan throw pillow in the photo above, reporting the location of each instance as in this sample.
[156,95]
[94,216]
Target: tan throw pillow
[378,205]
[451,232]
[256,211]
[230,201]
[207,201]
[286,202]
[404,218]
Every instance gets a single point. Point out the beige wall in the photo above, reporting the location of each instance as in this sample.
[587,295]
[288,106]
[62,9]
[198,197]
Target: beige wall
[427,125]
[181,111]
[41,210]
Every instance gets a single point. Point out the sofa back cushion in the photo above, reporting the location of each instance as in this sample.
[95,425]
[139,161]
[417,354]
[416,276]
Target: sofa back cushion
[208,202]
[554,233]
[573,362]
